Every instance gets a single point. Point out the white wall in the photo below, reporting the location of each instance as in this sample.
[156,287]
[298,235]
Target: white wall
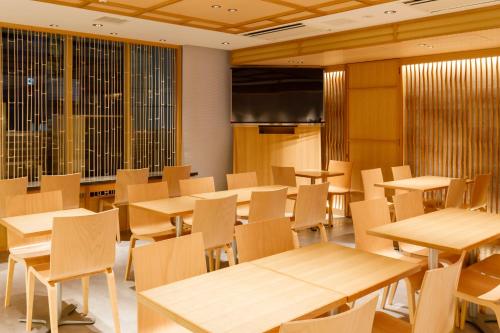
[206,128]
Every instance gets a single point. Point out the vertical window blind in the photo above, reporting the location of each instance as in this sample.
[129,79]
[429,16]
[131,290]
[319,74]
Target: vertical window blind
[452,119]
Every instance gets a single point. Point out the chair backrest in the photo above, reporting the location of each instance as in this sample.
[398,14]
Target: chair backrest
[145,192]
[83,244]
[241,180]
[370,178]
[345,167]
[262,239]
[69,185]
[310,206]
[455,193]
[172,175]
[408,205]
[126,177]
[196,185]
[401,172]
[215,219]
[435,311]
[161,263]
[284,176]
[357,320]
[366,215]
[267,205]
[11,187]
[480,191]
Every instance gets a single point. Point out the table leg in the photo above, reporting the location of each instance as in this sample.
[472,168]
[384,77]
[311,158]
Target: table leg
[178,226]
[433,259]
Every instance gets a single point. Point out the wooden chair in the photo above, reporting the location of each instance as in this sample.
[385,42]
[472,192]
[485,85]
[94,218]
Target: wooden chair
[262,239]
[339,186]
[8,188]
[33,250]
[356,320]
[241,180]
[172,175]
[267,205]
[161,263]
[82,246]
[480,192]
[455,194]
[215,219]
[310,209]
[401,172]
[284,176]
[435,311]
[369,179]
[69,185]
[369,214]
[146,225]
[479,284]
[195,186]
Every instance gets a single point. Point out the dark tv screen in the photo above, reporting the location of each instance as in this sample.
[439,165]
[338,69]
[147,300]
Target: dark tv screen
[277,95]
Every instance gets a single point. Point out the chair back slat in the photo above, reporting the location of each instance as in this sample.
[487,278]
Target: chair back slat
[310,206]
[455,194]
[370,178]
[69,185]
[345,167]
[196,185]
[263,239]
[83,244]
[215,219]
[284,176]
[480,191]
[172,175]
[241,180]
[9,188]
[366,215]
[401,172]
[267,205]
[408,205]
[146,192]
[126,177]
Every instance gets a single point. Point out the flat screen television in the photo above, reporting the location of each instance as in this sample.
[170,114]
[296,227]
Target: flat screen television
[277,95]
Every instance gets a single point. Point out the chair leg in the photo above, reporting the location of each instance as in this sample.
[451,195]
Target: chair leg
[30,296]
[463,314]
[110,277]
[217,258]
[330,209]
[129,259]
[85,294]
[411,300]
[322,231]
[392,293]
[230,254]
[10,279]
[210,255]
[384,297]
[52,293]
[296,243]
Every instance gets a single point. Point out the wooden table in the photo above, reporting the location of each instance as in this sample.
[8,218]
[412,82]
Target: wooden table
[314,174]
[351,272]
[241,299]
[452,230]
[244,194]
[424,183]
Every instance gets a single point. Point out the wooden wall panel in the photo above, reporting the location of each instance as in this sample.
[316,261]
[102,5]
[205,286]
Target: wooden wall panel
[375,115]
[258,152]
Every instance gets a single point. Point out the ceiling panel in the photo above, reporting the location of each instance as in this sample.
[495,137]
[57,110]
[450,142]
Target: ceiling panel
[248,16]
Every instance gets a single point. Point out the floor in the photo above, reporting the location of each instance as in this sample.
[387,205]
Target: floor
[341,233]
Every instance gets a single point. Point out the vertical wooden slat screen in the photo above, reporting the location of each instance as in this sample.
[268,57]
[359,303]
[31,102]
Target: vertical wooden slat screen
[32,120]
[452,119]
[153,107]
[98,111]
[334,132]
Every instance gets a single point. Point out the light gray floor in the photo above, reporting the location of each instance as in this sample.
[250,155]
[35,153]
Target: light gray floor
[342,233]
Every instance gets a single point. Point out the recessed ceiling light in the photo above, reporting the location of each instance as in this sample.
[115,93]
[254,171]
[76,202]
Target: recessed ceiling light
[54,25]
[216,6]
[103,1]
[390,12]
[225,43]
[422,45]
[232,10]
[97,25]
[163,40]
[430,46]
[113,33]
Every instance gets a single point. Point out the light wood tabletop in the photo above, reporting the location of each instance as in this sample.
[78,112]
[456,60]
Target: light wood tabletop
[177,206]
[314,174]
[348,271]
[244,194]
[241,299]
[39,224]
[424,183]
[452,230]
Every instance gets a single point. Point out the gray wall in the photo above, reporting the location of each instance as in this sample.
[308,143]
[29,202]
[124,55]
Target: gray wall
[206,128]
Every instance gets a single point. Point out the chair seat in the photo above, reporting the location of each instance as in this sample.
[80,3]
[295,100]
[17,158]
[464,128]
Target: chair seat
[243,211]
[474,284]
[489,266]
[31,251]
[414,250]
[391,253]
[42,271]
[385,323]
[332,189]
[156,229]
[188,219]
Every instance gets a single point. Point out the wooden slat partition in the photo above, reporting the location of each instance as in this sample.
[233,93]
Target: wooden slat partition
[452,119]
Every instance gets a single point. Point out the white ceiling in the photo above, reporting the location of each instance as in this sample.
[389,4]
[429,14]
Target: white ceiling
[39,14]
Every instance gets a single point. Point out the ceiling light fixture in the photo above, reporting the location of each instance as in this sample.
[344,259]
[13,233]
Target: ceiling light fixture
[103,1]
[54,25]
[422,45]
[163,40]
[225,43]
[97,25]
[232,10]
[389,12]
[113,33]
[216,6]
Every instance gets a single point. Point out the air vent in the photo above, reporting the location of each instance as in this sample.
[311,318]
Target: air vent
[274,30]
[111,20]
[443,6]
[417,2]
